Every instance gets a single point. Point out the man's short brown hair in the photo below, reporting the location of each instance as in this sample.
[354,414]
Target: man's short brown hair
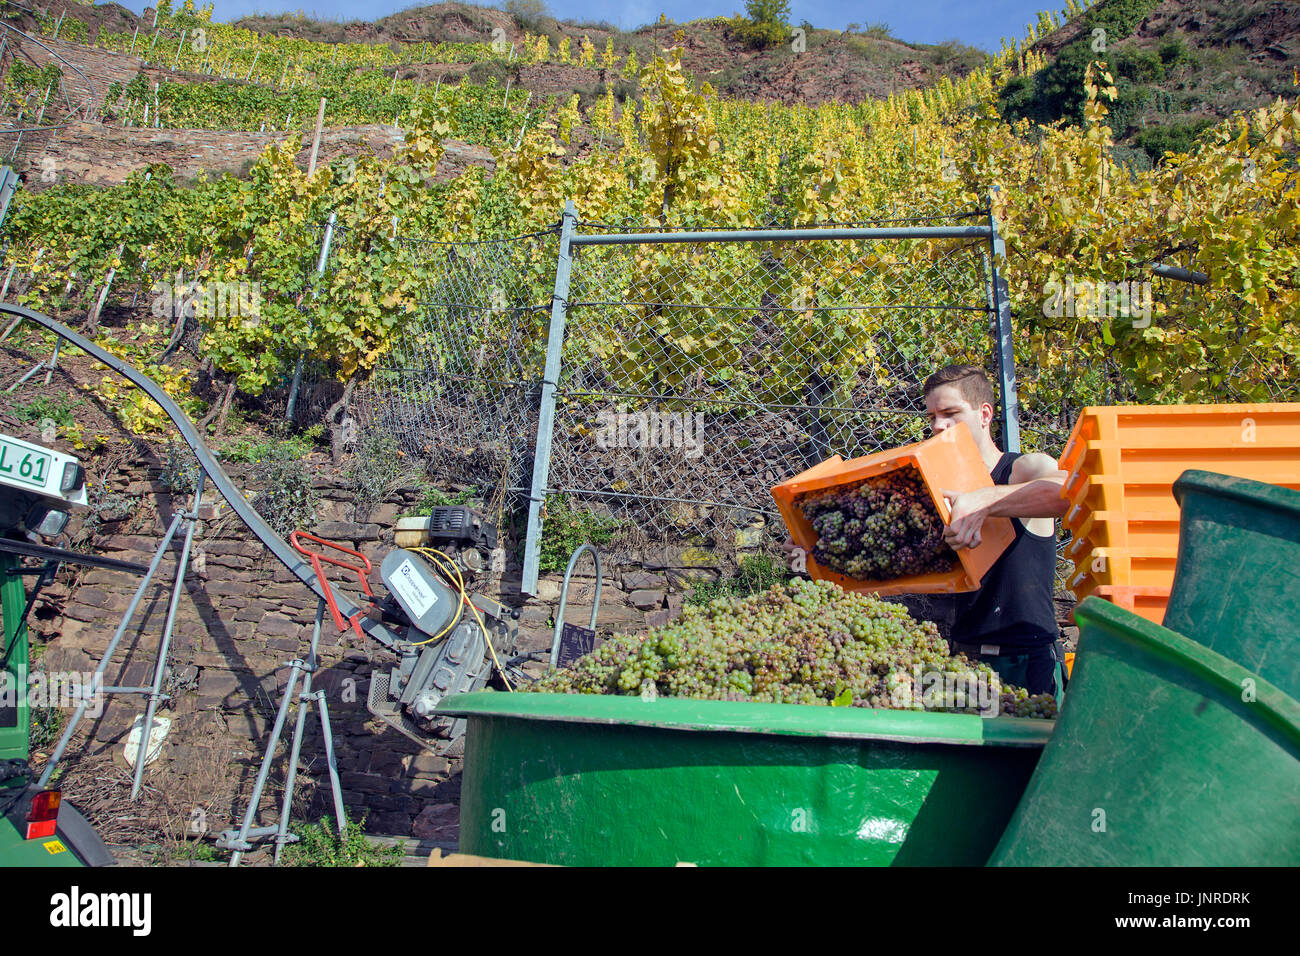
[970,381]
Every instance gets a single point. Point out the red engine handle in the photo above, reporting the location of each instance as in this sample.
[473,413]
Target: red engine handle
[316,560]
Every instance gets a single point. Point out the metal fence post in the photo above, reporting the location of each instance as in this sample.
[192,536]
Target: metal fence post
[1000,304]
[8,183]
[546,412]
[320,271]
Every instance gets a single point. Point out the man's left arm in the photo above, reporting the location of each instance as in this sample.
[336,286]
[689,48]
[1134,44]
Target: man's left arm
[1034,491]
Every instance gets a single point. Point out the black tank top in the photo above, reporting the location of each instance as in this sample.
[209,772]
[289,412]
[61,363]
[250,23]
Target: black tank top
[1013,606]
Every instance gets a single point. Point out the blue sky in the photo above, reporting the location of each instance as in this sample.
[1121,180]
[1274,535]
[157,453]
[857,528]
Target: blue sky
[980,24]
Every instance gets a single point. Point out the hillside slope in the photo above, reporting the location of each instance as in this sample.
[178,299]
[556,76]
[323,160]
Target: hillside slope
[1179,67]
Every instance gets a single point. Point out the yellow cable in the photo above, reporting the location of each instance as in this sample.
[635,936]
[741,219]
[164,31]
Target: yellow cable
[436,558]
[429,553]
[445,629]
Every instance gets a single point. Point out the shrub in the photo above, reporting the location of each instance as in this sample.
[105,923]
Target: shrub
[319,845]
[565,528]
[529,14]
[287,501]
[432,497]
[1174,52]
[767,23]
[756,573]
[1174,138]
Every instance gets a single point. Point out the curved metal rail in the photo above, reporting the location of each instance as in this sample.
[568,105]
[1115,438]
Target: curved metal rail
[287,556]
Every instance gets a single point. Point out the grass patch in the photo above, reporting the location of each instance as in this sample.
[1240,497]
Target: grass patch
[433,497]
[756,574]
[283,444]
[319,845]
[58,410]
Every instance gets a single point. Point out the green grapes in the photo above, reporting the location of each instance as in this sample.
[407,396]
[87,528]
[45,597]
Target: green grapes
[882,529]
[805,642]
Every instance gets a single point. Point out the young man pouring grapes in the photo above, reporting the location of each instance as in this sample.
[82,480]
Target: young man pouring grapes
[1010,622]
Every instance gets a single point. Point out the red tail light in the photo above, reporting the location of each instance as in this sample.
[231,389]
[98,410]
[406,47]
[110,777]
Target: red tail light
[43,816]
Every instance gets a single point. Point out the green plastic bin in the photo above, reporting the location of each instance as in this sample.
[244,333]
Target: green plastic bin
[587,780]
[1237,586]
[1166,753]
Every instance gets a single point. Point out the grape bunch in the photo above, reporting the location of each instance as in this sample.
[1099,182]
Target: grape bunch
[882,529]
[805,642]
[1018,702]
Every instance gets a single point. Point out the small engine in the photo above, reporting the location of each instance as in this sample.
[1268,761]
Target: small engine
[440,652]
[462,533]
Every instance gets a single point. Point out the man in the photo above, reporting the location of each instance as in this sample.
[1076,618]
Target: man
[1010,622]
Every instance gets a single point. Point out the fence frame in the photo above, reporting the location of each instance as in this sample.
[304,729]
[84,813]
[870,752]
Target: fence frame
[997,305]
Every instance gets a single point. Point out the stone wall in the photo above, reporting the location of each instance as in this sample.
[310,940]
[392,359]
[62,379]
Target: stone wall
[98,154]
[101,69]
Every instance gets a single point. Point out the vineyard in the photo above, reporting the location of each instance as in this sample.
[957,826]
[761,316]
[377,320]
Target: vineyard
[1076,219]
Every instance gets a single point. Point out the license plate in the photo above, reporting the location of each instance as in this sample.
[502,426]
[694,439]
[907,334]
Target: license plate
[24,464]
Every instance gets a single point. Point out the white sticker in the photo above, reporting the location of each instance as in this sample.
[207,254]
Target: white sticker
[410,587]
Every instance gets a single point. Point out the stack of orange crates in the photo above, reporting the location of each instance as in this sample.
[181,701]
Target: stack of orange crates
[1122,463]
[947,462]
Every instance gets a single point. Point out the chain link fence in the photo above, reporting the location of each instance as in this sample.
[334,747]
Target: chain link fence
[460,390]
[697,374]
[689,375]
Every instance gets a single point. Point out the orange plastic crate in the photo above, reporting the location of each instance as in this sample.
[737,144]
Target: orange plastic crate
[1144,567]
[1111,494]
[1148,602]
[947,462]
[1122,462]
[1249,431]
[1108,529]
[1125,458]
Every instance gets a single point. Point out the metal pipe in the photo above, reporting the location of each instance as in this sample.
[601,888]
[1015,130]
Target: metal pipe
[1000,306]
[297,369]
[564,598]
[781,235]
[546,413]
[265,769]
[331,763]
[160,666]
[54,361]
[112,646]
[1180,274]
[108,284]
[296,747]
